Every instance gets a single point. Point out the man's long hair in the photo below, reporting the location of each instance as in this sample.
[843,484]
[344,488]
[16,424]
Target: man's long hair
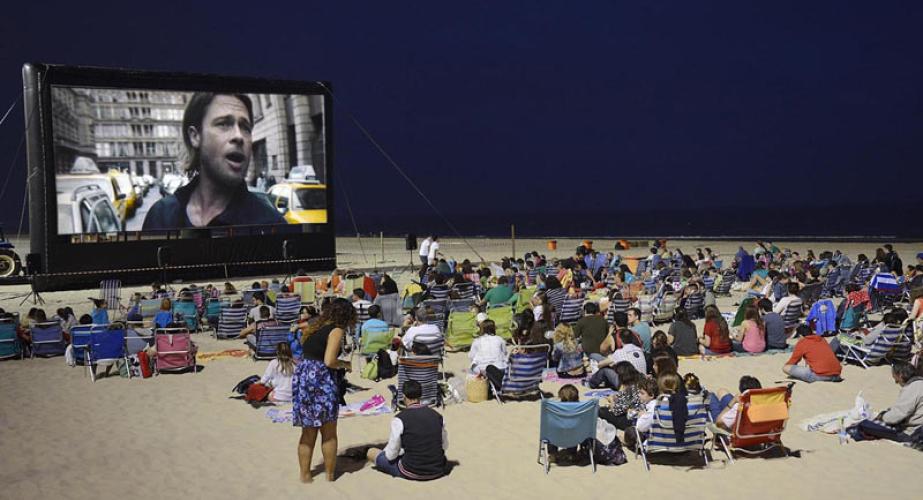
[195,115]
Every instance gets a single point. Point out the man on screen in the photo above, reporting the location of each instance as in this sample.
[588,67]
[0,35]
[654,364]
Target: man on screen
[217,133]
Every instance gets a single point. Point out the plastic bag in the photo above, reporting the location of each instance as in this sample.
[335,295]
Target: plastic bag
[860,410]
[457,393]
[605,432]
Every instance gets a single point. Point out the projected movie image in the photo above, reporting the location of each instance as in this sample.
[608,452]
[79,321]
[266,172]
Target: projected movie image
[140,160]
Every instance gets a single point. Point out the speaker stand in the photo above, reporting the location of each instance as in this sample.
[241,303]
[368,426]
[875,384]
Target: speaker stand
[32,294]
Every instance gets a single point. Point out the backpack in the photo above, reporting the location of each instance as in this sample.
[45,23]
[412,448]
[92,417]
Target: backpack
[243,385]
[386,368]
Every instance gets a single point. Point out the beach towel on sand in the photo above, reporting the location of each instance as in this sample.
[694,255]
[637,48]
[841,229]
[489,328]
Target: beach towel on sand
[373,406]
[205,357]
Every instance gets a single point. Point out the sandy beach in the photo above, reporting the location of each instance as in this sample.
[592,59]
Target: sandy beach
[62,436]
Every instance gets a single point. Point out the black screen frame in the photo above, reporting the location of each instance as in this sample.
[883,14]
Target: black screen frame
[194,253]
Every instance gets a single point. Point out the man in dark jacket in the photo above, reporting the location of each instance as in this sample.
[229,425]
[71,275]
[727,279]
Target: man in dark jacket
[419,430]
[217,132]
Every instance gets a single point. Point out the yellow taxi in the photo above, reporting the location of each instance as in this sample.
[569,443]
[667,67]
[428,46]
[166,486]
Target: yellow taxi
[125,200]
[300,203]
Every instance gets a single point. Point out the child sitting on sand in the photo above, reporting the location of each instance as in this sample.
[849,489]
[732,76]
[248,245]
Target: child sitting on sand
[625,401]
[567,354]
[278,374]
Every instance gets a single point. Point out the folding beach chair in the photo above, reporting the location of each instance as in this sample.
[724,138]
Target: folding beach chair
[137,337]
[893,343]
[185,310]
[10,346]
[287,307]
[149,309]
[438,292]
[761,418]
[617,305]
[524,372]
[305,288]
[664,310]
[423,369]
[213,312]
[524,298]
[723,286]
[502,316]
[556,300]
[175,350]
[107,345]
[461,330]
[111,292]
[230,322]
[646,305]
[833,285]
[463,305]
[791,317]
[566,425]
[374,339]
[571,310]
[267,339]
[662,436]
[439,312]
[884,291]
[80,340]
[247,295]
[709,282]
[47,339]
[811,294]
[695,306]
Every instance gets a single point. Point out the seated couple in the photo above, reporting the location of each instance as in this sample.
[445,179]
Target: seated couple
[420,433]
[905,417]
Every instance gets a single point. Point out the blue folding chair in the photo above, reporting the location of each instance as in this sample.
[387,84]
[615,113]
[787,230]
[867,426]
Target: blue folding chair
[80,339]
[287,307]
[106,345]
[9,342]
[566,425]
[230,322]
[267,339]
[48,339]
[524,372]
[186,311]
[213,312]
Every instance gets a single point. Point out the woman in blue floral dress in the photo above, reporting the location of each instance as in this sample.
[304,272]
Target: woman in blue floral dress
[315,394]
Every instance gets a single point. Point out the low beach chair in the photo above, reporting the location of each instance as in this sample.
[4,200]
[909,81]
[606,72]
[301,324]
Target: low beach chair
[571,310]
[695,306]
[305,288]
[893,343]
[185,310]
[461,330]
[230,322]
[456,305]
[761,418]
[47,339]
[287,306]
[80,339]
[556,300]
[266,341]
[791,317]
[175,350]
[465,290]
[524,372]
[423,369]
[502,316]
[646,305]
[722,286]
[664,310]
[111,292]
[107,345]
[662,437]
[10,347]
[525,298]
[213,312]
[374,339]
[149,309]
[566,425]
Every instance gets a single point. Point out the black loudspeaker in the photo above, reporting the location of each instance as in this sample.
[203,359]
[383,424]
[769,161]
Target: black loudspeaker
[288,249]
[33,264]
[410,243]
[164,257]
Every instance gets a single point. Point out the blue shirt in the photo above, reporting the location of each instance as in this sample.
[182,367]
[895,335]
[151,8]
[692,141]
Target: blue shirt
[163,319]
[100,316]
[644,332]
[373,325]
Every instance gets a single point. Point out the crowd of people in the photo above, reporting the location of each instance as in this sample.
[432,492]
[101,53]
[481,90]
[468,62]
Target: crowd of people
[607,324]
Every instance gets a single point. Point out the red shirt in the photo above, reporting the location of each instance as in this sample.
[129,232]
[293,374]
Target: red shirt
[713,332]
[818,354]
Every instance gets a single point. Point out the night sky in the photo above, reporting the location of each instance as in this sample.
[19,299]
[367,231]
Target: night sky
[561,117]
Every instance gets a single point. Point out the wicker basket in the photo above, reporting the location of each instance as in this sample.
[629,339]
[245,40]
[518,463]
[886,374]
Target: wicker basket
[476,388]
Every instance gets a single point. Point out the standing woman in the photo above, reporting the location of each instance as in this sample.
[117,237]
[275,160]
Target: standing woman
[315,393]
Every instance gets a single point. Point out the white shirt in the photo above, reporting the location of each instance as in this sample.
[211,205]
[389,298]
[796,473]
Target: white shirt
[424,247]
[729,417]
[424,331]
[487,350]
[433,248]
[393,448]
[255,313]
[281,384]
[538,311]
[633,354]
[646,418]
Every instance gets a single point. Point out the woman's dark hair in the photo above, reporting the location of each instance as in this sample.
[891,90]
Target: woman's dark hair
[628,374]
[752,314]
[339,312]
[194,116]
[86,319]
[551,283]
[682,316]
[713,314]
[765,305]
[659,340]
[663,364]
[488,327]
[628,337]
[40,316]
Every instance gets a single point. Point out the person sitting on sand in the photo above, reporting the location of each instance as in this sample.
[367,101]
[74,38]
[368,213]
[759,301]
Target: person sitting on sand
[751,335]
[716,338]
[905,416]
[278,374]
[821,363]
[660,347]
[774,326]
[419,432]
[567,354]
[684,334]
[630,352]
[624,403]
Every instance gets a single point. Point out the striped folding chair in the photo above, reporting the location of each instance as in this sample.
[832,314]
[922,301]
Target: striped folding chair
[287,307]
[571,310]
[111,292]
[665,309]
[423,369]
[695,306]
[792,315]
[230,322]
[662,436]
[893,343]
[524,372]
[267,340]
[465,290]
[460,305]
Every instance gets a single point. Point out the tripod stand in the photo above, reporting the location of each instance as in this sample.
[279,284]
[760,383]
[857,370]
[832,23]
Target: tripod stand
[32,294]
